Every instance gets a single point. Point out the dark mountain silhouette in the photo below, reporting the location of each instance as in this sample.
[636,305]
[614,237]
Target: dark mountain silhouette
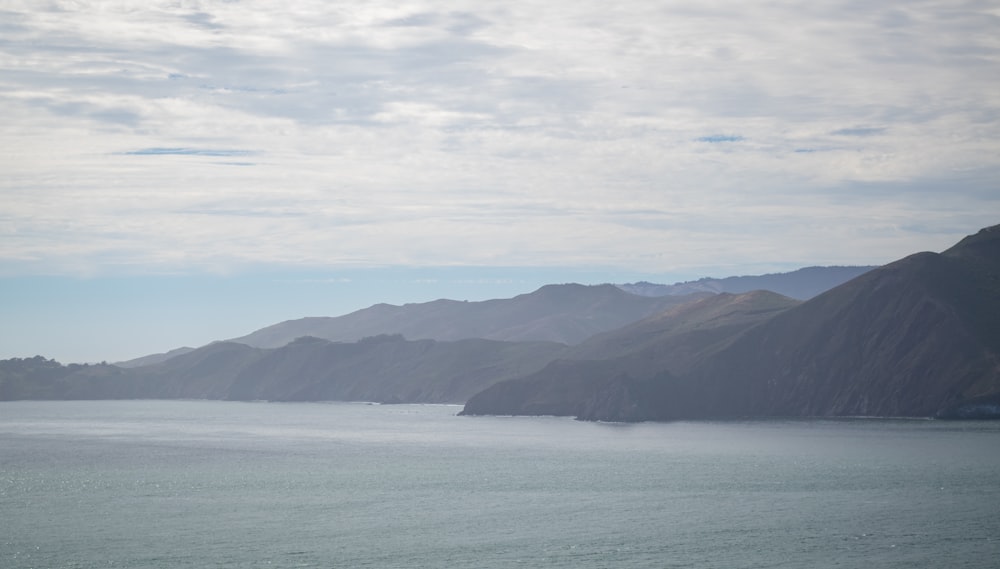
[801,284]
[567,313]
[919,337]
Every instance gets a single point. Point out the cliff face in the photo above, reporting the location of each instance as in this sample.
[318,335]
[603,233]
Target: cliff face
[919,337]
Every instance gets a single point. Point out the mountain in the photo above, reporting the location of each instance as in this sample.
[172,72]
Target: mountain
[673,342]
[566,313]
[917,338]
[702,322]
[801,284]
[382,368]
[41,378]
[154,358]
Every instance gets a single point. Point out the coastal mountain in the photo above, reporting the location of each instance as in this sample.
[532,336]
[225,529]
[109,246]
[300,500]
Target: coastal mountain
[801,284]
[154,358]
[673,343]
[566,313]
[381,369]
[919,337]
[704,321]
[41,378]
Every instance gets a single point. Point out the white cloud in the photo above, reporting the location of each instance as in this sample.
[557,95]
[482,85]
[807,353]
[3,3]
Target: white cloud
[641,135]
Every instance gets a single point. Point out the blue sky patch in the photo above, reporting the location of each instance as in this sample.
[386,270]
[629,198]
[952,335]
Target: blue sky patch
[181,151]
[861,131]
[715,138]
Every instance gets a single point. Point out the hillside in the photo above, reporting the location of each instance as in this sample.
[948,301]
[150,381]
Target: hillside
[41,378]
[567,313]
[919,337]
[671,343]
[154,358]
[383,369]
[801,284]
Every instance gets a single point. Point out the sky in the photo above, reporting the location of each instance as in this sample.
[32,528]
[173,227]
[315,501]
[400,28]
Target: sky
[174,172]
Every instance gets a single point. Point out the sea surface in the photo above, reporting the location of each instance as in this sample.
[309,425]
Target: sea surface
[165,484]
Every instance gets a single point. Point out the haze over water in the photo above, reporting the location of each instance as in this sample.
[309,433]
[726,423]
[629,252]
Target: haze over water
[159,484]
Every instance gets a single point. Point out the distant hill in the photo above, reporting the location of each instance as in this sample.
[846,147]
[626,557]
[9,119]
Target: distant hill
[673,342]
[919,337]
[380,368]
[41,378]
[712,317]
[383,369]
[802,284]
[566,313]
[154,358]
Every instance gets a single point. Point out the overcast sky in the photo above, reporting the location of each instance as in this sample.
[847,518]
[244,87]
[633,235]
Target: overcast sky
[423,149]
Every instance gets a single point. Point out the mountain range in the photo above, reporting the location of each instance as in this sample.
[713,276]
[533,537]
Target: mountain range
[566,313]
[919,337]
[580,382]
[801,284]
[386,368]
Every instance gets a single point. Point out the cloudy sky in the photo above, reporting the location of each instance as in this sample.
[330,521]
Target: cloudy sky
[179,171]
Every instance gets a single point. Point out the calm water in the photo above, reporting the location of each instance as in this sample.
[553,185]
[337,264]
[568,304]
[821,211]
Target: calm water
[158,484]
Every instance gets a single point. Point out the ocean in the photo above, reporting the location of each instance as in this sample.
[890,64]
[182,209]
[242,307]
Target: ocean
[208,484]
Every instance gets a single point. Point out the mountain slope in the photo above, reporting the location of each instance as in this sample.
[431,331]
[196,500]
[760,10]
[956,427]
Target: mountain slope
[567,313]
[916,338]
[801,284]
[387,369]
[383,368]
[40,378]
[586,378]
[919,337]
[154,358]
[714,317]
